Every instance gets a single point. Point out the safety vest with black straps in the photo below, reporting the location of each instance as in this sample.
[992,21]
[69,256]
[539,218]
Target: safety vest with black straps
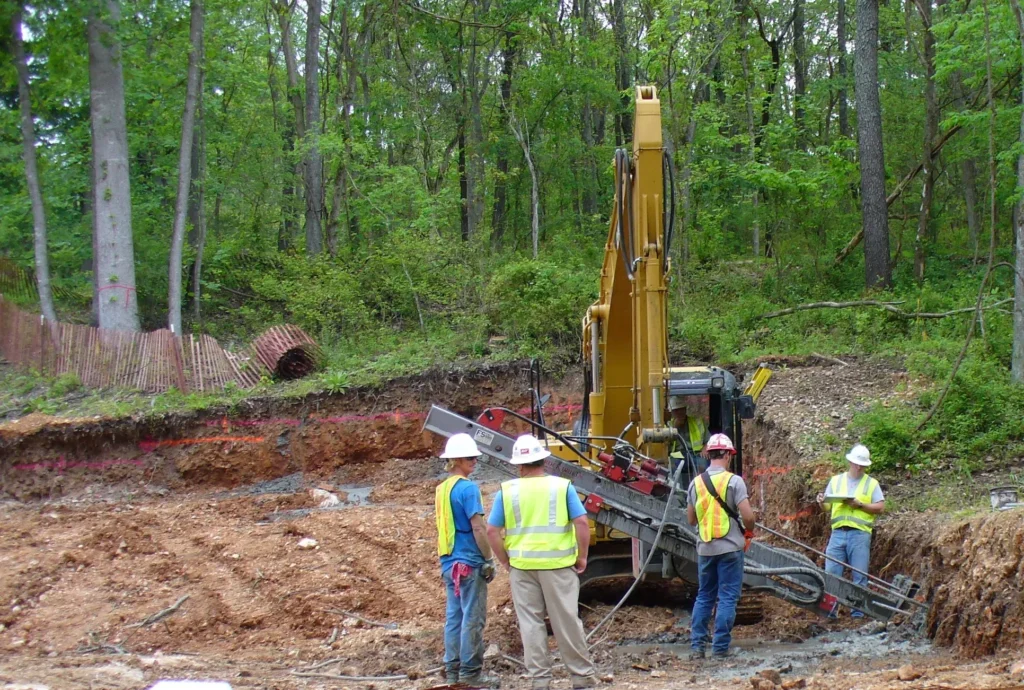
[444,515]
[848,516]
[712,520]
[695,430]
[538,532]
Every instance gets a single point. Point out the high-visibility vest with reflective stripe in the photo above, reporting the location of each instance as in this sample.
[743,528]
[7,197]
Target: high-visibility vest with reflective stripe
[848,516]
[444,515]
[538,532]
[712,520]
[695,431]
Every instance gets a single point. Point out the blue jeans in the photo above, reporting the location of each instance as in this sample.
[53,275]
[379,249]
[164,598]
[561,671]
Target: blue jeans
[720,580]
[851,546]
[465,616]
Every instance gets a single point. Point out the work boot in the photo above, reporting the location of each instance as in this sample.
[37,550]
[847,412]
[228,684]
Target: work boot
[579,682]
[480,680]
[451,674]
[696,655]
[727,654]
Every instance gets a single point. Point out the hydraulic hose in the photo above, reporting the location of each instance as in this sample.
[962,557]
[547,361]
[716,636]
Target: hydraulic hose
[647,561]
[624,208]
[668,214]
[817,591]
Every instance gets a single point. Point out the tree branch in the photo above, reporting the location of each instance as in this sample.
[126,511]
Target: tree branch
[887,306]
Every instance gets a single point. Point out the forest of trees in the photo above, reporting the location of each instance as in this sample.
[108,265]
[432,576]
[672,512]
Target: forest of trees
[216,166]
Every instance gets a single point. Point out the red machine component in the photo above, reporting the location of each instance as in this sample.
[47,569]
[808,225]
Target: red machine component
[492,419]
[593,504]
[646,477]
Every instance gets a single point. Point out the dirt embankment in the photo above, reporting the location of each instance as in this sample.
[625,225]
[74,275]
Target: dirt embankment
[43,457]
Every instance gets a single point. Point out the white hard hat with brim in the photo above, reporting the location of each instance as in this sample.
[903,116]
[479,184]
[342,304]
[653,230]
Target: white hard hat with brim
[460,446]
[528,449]
[859,455]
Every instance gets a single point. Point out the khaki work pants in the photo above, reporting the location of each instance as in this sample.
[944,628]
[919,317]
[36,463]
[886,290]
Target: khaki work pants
[557,592]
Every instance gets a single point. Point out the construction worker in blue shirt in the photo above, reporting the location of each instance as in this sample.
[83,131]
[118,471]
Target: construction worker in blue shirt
[853,500]
[544,549]
[720,547]
[467,565]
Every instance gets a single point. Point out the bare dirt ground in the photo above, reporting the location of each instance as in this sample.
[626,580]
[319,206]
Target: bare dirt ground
[108,526]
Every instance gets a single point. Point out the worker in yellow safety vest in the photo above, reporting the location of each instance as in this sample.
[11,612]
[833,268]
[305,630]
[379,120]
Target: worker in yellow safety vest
[853,499]
[692,432]
[717,504]
[467,565]
[544,547]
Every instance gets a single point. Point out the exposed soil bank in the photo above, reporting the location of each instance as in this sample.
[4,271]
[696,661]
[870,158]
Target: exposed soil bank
[264,439]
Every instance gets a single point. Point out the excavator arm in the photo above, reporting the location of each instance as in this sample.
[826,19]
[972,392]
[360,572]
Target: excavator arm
[625,334]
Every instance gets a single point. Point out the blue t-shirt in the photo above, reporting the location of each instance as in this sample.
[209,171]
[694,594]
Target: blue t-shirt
[466,503]
[576,509]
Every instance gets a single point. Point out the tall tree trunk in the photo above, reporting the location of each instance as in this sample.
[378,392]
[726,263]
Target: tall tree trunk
[197,201]
[475,173]
[875,221]
[499,215]
[522,135]
[343,99]
[314,161]
[114,262]
[799,70]
[292,192]
[463,184]
[28,137]
[623,119]
[748,98]
[969,175]
[930,132]
[1017,357]
[188,121]
[844,118]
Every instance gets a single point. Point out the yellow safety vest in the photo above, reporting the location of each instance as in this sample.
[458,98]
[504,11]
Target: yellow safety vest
[712,520]
[848,516]
[695,430]
[444,515]
[538,532]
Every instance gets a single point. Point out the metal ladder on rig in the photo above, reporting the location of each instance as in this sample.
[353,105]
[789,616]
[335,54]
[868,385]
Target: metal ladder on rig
[780,572]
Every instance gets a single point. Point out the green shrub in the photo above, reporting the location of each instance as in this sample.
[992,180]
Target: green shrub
[541,301]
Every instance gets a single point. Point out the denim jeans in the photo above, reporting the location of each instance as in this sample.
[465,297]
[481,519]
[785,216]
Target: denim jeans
[465,616]
[851,546]
[720,580]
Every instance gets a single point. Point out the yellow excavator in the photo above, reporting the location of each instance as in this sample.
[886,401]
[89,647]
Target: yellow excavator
[618,453]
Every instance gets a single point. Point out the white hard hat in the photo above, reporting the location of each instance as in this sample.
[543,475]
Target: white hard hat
[460,446]
[528,449]
[676,402]
[859,455]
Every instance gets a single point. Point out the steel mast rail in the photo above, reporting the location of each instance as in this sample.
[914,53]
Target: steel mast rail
[780,572]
